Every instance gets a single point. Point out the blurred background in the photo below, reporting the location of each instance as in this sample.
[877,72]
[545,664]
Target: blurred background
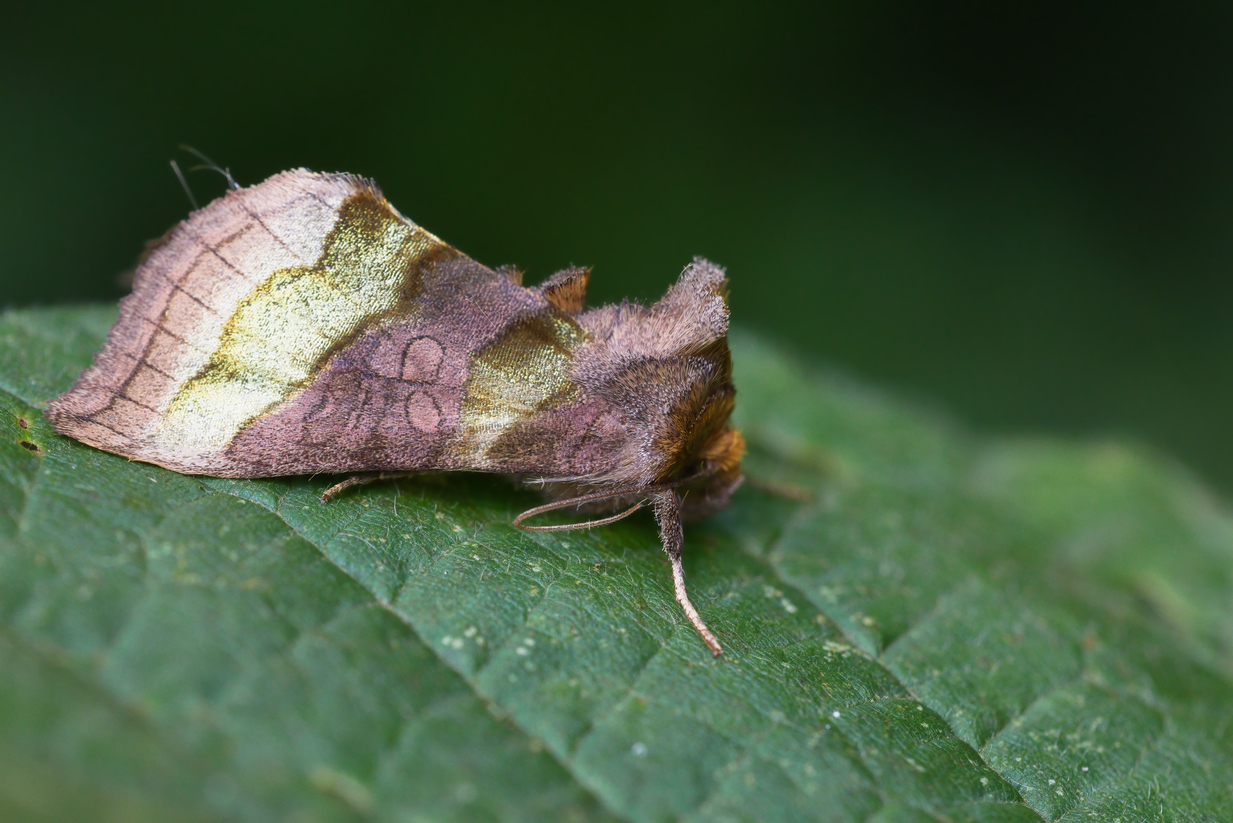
[1021,213]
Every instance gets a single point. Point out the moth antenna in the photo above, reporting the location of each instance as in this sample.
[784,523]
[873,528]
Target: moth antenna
[175,167]
[209,164]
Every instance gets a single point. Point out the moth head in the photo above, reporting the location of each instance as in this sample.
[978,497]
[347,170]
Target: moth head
[719,475]
[706,451]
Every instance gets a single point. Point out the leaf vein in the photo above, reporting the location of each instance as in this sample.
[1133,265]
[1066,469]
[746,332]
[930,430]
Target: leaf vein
[565,763]
[792,584]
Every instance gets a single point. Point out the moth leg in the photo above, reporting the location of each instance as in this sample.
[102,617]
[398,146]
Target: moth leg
[668,515]
[359,480]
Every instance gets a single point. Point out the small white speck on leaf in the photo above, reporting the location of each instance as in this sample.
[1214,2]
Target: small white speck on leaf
[834,714]
[638,749]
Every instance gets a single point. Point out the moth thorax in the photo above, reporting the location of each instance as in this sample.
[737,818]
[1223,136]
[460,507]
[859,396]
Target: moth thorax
[696,433]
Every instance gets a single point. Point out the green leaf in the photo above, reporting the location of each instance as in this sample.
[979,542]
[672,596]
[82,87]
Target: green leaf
[953,628]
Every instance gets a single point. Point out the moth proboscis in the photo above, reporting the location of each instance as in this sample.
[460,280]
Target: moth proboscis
[304,326]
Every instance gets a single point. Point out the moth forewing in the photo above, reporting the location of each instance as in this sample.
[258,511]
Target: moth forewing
[304,326]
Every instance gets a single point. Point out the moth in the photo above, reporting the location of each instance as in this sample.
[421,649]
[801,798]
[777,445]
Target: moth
[304,326]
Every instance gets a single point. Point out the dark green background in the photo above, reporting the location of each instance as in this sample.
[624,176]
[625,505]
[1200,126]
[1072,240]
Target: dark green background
[1022,213]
